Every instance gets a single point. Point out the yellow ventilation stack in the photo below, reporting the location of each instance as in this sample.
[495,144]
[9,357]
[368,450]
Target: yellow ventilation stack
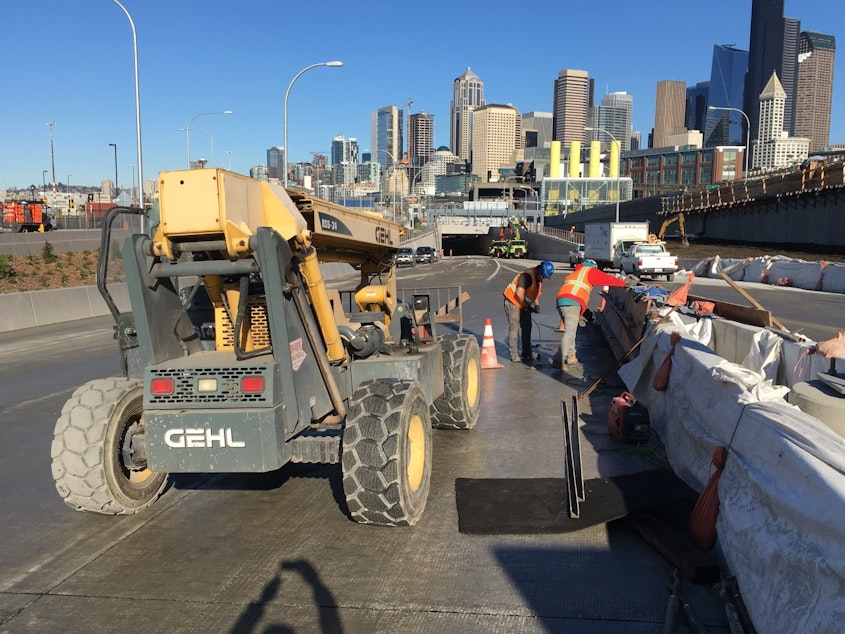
[613,165]
[554,160]
[575,159]
[595,159]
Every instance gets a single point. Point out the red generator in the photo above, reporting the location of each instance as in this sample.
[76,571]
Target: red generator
[627,420]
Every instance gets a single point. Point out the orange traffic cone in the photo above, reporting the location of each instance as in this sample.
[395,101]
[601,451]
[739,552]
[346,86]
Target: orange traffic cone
[488,349]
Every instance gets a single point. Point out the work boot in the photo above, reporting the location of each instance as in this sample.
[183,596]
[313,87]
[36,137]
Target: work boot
[555,363]
[571,359]
[531,356]
[515,359]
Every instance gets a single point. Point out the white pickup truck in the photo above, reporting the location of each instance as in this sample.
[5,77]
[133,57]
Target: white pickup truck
[649,259]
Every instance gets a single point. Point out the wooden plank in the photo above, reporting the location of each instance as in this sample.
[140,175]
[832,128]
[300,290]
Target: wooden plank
[735,312]
[665,530]
[750,299]
[452,305]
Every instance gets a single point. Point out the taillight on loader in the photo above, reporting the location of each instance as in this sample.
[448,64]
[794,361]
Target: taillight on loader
[161,387]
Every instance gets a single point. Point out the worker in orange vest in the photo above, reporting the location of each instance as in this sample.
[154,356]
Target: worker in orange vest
[522,297]
[572,301]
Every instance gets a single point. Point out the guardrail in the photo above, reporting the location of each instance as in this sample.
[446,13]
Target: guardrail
[739,192]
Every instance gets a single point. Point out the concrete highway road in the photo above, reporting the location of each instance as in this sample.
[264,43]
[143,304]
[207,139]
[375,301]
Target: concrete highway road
[278,552]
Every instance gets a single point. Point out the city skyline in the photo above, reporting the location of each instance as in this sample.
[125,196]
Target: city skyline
[200,59]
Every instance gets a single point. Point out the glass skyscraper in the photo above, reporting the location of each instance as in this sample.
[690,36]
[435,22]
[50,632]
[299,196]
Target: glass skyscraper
[727,85]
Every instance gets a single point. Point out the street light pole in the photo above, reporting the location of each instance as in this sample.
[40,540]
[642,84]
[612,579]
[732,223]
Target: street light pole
[747,133]
[229,156]
[116,188]
[617,175]
[210,136]
[137,103]
[285,113]
[50,125]
[187,129]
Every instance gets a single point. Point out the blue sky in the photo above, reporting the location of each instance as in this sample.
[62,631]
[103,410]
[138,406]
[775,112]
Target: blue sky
[71,62]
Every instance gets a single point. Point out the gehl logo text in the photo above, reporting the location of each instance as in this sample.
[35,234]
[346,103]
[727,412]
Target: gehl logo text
[183,438]
[383,236]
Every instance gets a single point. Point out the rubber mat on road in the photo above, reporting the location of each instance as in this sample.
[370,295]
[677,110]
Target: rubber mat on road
[522,506]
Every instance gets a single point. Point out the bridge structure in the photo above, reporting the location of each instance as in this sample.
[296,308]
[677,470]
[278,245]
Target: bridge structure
[799,206]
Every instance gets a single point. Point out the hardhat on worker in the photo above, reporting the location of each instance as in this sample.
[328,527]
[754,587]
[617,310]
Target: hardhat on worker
[589,263]
[547,269]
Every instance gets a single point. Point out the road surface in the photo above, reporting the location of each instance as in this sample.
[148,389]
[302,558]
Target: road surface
[278,552]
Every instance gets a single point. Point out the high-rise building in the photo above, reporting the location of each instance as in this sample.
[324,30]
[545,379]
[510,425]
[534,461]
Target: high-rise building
[727,83]
[536,133]
[276,162]
[814,88]
[369,172]
[789,69]
[669,111]
[772,48]
[774,148]
[496,137]
[344,150]
[615,117]
[573,99]
[258,172]
[387,135]
[467,95]
[696,110]
[421,139]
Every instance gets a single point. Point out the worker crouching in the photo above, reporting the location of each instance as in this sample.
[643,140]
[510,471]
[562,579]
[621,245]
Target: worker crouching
[572,301]
[522,297]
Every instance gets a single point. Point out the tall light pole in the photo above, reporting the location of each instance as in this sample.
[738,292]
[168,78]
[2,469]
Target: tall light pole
[187,130]
[617,175]
[210,136]
[285,113]
[747,134]
[137,104]
[116,188]
[229,156]
[50,125]
[67,185]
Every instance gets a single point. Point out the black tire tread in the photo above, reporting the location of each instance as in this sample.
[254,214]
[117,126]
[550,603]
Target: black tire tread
[78,450]
[451,411]
[371,461]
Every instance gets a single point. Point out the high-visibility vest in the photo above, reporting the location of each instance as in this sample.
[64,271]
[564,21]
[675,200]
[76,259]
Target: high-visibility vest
[577,286]
[533,292]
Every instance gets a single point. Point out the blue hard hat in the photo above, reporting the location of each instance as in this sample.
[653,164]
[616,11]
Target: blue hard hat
[547,269]
[589,263]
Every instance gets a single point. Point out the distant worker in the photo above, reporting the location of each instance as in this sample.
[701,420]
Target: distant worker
[571,232]
[522,297]
[572,301]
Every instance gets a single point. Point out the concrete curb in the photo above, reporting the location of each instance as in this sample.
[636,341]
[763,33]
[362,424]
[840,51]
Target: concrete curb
[40,308]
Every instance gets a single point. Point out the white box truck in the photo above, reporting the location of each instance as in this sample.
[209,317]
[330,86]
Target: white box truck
[604,242]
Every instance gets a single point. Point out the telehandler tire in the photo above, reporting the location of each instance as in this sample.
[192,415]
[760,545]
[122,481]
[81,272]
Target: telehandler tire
[460,403]
[92,444]
[386,459]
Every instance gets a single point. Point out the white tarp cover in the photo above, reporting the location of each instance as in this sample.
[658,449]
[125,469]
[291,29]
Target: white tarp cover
[781,526]
[778,270]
